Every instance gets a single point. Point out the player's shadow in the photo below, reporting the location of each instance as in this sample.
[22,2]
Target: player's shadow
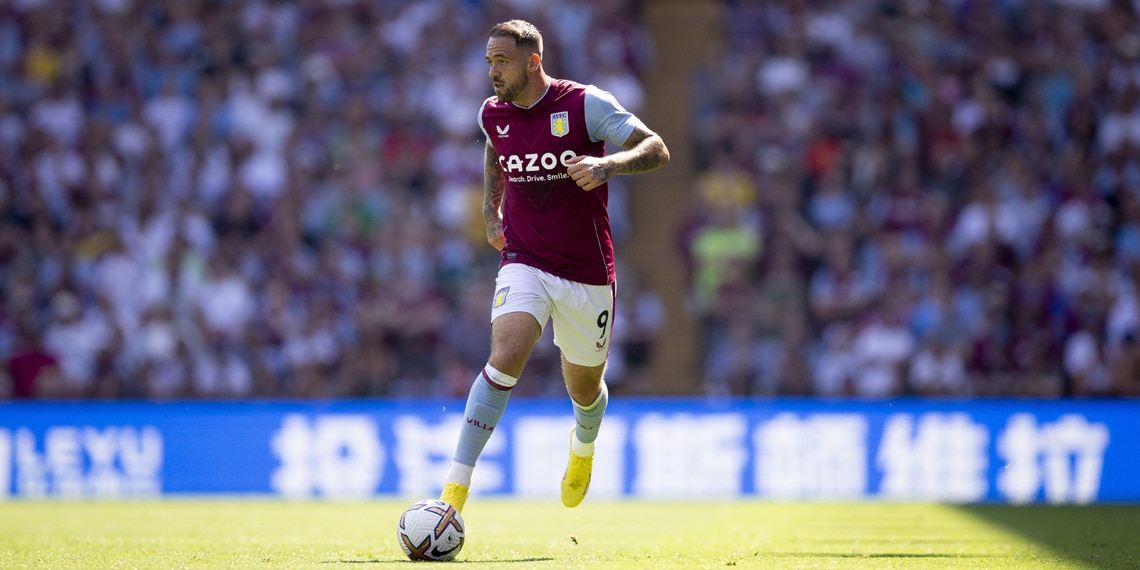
[1095,536]
[461,561]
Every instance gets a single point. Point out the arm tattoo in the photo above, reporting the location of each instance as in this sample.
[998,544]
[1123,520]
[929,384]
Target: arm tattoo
[645,151]
[494,185]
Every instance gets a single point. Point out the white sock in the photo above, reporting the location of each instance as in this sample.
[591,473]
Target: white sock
[459,473]
[581,449]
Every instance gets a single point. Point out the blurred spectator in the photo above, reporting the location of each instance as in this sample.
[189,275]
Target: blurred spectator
[224,300]
[881,350]
[831,207]
[639,325]
[833,362]
[724,250]
[1126,369]
[32,370]
[840,289]
[77,338]
[938,369]
[1087,365]
[163,365]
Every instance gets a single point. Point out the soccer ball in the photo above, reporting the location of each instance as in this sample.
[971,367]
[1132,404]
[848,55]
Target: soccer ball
[431,530]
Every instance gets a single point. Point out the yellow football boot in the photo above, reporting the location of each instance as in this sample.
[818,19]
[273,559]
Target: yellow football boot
[454,494]
[576,479]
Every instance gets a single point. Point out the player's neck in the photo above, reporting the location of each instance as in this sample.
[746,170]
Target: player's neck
[535,92]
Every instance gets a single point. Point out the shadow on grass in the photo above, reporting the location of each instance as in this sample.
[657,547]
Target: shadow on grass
[1096,536]
[404,561]
[874,555]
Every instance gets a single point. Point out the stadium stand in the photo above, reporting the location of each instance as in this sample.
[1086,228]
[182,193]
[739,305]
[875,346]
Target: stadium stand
[918,198]
[273,198]
[228,199]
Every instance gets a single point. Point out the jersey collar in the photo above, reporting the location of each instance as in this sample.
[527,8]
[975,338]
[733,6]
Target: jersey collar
[536,101]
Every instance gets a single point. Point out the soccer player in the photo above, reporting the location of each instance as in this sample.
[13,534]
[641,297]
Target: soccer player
[544,179]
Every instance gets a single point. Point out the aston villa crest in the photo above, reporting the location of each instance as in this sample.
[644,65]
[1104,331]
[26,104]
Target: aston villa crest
[501,297]
[560,123]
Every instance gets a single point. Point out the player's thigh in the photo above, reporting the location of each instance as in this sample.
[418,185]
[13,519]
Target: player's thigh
[519,312]
[512,339]
[583,321]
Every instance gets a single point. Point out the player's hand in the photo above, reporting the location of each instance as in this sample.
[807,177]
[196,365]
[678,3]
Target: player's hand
[588,172]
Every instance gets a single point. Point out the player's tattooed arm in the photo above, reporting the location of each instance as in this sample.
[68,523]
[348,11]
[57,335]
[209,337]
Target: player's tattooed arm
[494,184]
[645,150]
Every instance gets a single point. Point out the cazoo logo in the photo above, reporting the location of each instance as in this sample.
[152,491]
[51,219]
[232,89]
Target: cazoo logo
[533,161]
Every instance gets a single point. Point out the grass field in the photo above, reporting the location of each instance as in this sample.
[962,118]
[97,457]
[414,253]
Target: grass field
[620,535]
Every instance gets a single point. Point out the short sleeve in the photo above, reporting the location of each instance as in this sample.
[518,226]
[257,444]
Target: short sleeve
[606,119]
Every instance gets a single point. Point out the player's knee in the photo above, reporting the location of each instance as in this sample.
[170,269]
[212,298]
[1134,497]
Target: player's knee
[510,362]
[585,395]
[583,383]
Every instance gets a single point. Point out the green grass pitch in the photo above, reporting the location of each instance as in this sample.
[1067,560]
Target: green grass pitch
[242,533]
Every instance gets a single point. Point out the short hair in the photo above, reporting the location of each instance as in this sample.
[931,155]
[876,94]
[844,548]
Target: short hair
[525,34]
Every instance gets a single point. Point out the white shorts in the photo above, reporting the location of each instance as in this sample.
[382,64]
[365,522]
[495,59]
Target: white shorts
[582,314]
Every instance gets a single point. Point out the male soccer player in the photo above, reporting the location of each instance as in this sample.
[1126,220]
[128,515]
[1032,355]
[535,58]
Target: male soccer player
[544,179]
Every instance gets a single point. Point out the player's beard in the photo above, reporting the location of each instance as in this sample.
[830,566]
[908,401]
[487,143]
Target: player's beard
[512,92]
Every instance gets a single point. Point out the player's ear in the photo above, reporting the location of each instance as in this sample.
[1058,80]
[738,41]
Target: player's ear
[534,62]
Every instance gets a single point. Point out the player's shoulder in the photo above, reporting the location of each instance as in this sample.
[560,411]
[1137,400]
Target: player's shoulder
[492,107]
[601,102]
[563,91]
[595,92]
[490,102]
[568,85]
[565,85]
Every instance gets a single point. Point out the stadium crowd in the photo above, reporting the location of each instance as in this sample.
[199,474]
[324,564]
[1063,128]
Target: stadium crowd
[273,198]
[217,199]
[919,197]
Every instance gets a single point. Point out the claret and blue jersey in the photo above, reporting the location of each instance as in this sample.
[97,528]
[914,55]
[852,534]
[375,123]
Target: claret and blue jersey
[548,221]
